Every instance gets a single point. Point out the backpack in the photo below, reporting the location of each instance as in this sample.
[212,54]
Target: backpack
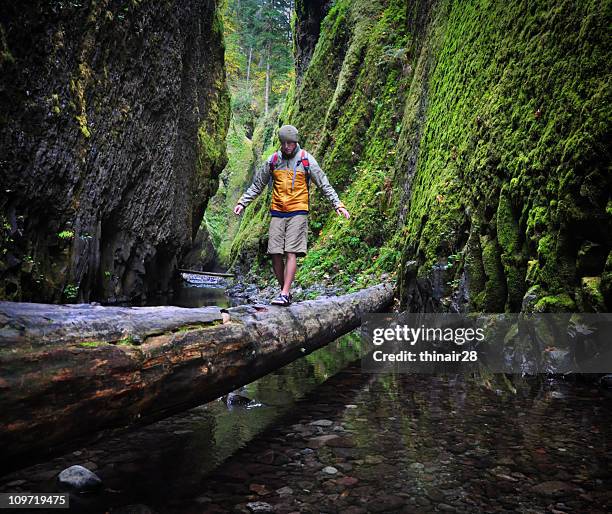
[303,159]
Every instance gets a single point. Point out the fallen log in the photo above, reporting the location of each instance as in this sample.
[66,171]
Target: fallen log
[67,372]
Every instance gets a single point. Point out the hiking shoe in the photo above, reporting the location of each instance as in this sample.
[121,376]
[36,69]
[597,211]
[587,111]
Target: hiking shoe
[282,299]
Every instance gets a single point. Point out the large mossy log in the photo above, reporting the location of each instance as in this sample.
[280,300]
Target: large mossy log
[67,372]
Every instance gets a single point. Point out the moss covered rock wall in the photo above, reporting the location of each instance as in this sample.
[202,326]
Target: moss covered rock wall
[470,141]
[509,198]
[113,121]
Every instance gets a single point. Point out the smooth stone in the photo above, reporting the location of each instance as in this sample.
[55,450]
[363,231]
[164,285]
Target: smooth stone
[341,442]
[347,481]
[79,478]
[329,470]
[259,489]
[344,466]
[259,507]
[553,488]
[435,495]
[322,423]
[284,491]
[373,459]
[386,503]
[237,399]
[320,441]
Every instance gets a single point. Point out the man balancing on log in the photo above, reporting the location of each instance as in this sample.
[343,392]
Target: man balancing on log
[290,171]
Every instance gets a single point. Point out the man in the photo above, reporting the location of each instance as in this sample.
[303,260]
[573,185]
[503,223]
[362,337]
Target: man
[291,170]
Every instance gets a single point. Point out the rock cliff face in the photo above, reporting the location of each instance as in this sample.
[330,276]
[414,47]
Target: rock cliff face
[470,140]
[308,14]
[114,116]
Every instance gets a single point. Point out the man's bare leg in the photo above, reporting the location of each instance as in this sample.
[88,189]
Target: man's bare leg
[290,267]
[279,268]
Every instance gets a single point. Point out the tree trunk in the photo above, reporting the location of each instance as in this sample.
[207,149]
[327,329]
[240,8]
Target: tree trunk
[267,94]
[67,372]
[248,77]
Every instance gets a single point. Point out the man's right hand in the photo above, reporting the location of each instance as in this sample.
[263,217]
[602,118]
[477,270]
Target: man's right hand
[238,209]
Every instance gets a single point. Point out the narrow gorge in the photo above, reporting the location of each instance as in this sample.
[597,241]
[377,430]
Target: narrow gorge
[469,140]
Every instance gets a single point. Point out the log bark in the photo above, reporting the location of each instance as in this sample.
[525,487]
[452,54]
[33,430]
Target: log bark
[67,372]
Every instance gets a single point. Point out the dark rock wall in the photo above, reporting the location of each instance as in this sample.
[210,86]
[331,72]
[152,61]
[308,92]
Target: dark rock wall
[309,14]
[113,119]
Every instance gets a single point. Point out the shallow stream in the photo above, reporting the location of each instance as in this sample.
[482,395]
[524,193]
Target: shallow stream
[320,435]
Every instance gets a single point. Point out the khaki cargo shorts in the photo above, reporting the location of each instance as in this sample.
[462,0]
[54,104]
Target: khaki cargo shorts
[288,235]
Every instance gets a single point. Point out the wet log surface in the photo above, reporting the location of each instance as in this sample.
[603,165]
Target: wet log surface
[67,372]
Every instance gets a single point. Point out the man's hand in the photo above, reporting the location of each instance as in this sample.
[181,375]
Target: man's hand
[238,209]
[343,212]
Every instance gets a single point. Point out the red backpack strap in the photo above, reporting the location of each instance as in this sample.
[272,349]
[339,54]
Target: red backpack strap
[306,163]
[304,160]
[273,161]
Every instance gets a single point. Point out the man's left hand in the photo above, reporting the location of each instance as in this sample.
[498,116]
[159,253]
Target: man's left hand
[343,212]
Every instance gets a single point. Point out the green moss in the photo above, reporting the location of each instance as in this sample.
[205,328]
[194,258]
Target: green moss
[555,303]
[508,234]
[71,292]
[6,57]
[474,268]
[92,344]
[502,117]
[128,340]
[195,326]
[590,297]
[495,286]
[66,234]
[221,223]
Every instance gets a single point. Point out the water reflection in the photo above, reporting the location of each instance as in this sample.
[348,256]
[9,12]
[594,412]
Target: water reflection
[424,443]
[197,291]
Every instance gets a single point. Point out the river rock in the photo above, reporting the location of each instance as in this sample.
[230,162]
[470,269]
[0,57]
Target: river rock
[322,440]
[340,442]
[435,496]
[259,507]
[553,488]
[386,503]
[259,489]
[235,399]
[329,470]
[80,479]
[374,459]
[347,481]
[322,423]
